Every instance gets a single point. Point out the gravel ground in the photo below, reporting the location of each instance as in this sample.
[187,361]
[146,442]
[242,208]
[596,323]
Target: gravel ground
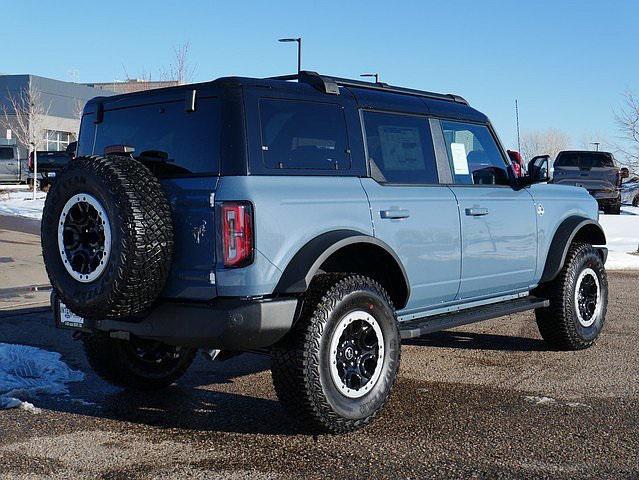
[485,401]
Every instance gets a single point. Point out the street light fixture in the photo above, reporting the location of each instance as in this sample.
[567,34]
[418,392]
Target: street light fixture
[596,144]
[299,50]
[376,75]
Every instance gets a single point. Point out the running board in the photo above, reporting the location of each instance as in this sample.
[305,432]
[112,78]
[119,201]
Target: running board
[422,326]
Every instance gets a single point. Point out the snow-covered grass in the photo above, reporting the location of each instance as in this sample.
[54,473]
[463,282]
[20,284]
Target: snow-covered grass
[622,235]
[26,372]
[21,204]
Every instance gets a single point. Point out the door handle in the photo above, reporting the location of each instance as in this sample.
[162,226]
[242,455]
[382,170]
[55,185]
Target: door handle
[394,214]
[476,211]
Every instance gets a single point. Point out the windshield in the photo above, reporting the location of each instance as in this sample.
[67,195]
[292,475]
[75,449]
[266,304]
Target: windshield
[6,153]
[584,160]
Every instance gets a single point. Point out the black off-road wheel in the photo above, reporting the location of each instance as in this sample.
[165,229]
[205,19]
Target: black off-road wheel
[335,370]
[107,237]
[578,301]
[136,364]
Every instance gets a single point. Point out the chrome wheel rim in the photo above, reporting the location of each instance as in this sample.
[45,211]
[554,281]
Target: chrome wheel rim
[357,354]
[587,297]
[84,237]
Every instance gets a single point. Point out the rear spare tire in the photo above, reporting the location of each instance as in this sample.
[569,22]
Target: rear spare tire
[107,237]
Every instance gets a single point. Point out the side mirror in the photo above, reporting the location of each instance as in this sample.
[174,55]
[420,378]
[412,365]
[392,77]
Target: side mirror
[625,173]
[538,169]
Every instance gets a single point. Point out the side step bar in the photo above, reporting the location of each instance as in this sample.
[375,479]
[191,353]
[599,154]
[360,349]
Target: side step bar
[422,326]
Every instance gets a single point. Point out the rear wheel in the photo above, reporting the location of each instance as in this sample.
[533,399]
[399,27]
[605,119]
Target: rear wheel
[136,363]
[335,369]
[635,201]
[578,301]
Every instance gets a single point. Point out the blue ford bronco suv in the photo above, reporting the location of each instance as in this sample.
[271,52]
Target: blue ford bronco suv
[319,220]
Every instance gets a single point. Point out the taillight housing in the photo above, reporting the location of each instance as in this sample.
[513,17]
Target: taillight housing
[30,164]
[237,234]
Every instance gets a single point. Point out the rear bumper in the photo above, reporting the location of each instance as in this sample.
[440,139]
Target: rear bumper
[611,196]
[227,323]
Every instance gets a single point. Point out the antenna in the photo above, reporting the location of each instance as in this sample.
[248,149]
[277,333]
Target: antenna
[517,118]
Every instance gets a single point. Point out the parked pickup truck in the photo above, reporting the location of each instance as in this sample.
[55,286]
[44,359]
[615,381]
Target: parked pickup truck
[12,168]
[50,163]
[315,219]
[597,172]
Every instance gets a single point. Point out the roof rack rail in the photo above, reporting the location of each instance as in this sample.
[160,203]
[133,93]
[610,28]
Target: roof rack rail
[331,85]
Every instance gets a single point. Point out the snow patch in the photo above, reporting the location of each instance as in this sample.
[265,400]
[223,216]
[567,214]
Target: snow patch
[543,400]
[21,204]
[26,372]
[622,235]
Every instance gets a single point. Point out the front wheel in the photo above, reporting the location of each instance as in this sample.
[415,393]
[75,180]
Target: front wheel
[578,301]
[336,368]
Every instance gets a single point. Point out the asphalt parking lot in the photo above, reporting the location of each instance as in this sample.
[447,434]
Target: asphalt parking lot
[482,401]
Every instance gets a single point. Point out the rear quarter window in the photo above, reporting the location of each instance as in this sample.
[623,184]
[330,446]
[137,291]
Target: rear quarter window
[303,135]
[172,141]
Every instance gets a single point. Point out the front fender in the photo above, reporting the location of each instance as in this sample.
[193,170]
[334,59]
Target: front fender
[571,229]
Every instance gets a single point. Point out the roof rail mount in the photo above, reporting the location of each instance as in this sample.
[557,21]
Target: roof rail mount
[331,86]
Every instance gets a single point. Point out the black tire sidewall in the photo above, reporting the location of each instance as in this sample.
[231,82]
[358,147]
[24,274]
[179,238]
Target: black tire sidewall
[589,259]
[368,404]
[81,297]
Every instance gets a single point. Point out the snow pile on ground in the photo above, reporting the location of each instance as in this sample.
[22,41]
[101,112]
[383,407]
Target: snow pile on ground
[21,204]
[26,372]
[622,235]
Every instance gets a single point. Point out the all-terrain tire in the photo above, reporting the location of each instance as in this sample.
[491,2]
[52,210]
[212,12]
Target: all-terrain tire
[141,229]
[560,324]
[301,361]
[635,201]
[136,364]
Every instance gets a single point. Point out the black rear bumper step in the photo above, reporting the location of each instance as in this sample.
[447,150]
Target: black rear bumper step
[422,326]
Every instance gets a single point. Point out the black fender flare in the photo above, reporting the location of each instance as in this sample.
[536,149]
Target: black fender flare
[301,269]
[563,238]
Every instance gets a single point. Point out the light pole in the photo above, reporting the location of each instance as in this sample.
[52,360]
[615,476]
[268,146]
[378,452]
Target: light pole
[596,144]
[376,75]
[299,50]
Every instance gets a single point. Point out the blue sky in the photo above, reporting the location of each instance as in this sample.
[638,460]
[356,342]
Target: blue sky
[566,61]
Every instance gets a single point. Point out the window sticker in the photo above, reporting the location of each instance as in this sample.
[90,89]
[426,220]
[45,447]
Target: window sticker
[460,162]
[401,148]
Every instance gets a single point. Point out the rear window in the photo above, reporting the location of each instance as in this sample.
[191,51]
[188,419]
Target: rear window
[173,141]
[6,153]
[303,135]
[584,160]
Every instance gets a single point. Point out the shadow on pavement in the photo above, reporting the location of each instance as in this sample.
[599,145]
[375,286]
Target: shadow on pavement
[198,402]
[479,341]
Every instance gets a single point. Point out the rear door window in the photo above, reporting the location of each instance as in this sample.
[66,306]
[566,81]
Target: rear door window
[400,148]
[303,135]
[165,136]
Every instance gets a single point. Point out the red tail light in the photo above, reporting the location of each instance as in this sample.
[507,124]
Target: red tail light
[237,234]
[30,165]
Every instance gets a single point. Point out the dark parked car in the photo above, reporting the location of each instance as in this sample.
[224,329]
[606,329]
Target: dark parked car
[597,172]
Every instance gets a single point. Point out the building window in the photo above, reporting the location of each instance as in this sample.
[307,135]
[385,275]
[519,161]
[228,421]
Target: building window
[57,141]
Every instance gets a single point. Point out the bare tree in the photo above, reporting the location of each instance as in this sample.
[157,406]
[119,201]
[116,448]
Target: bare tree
[181,69]
[547,142]
[594,141]
[25,116]
[627,119]
[78,108]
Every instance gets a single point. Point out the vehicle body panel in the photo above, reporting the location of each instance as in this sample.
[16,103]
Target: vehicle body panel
[499,248]
[558,202]
[427,241]
[288,214]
